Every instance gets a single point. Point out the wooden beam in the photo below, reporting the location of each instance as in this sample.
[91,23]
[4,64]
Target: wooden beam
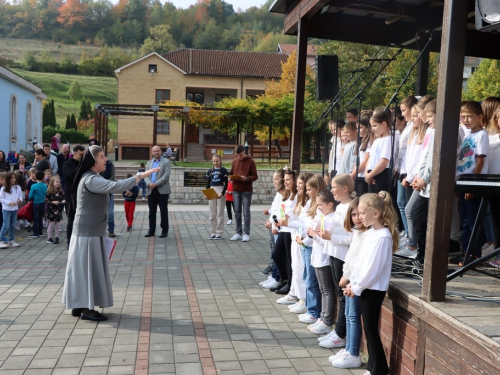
[305,9]
[451,68]
[300,87]
[423,74]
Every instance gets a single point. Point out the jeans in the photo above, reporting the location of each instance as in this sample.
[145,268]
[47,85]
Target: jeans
[9,225]
[242,201]
[410,212]
[336,266]
[313,295]
[468,210]
[327,288]
[111,214]
[38,210]
[401,205]
[353,325]
[142,185]
[371,303]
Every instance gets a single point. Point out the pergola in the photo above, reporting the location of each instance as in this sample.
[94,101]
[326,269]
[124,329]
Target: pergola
[401,22]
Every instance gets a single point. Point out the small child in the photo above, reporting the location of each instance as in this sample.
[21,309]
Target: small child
[55,206]
[217,180]
[21,182]
[2,183]
[37,195]
[47,175]
[129,204]
[229,202]
[371,275]
[142,185]
[10,196]
[349,357]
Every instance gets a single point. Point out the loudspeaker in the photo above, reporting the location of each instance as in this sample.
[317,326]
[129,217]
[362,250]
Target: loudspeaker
[488,16]
[327,77]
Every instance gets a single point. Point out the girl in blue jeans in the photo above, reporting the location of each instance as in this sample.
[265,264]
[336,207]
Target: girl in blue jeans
[10,197]
[349,357]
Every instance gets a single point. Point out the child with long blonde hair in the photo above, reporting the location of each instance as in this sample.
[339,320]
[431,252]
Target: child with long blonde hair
[371,275]
[55,207]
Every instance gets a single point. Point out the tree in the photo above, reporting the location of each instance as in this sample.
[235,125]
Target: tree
[90,112]
[75,92]
[83,110]
[46,115]
[484,81]
[68,122]
[30,62]
[160,40]
[52,113]
[73,122]
[72,14]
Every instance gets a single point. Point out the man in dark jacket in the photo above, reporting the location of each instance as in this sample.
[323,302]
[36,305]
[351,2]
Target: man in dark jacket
[70,168]
[244,167]
[61,159]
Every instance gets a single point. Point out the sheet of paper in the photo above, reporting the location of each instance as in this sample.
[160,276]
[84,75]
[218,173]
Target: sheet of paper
[110,246]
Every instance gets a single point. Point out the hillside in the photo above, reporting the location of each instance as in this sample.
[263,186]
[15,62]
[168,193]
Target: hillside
[56,86]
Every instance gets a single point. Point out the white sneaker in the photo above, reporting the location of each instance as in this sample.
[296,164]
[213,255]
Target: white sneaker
[294,305]
[3,245]
[307,318]
[346,360]
[333,357]
[287,300]
[406,252]
[333,341]
[403,242]
[236,237]
[229,222]
[271,284]
[300,307]
[319,321]
[320,329]
[18,227]
[321,338]
[13,244]
[265,281]
[246,238]
[486,250]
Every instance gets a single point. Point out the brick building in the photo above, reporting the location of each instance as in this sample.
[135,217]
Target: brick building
[203,76]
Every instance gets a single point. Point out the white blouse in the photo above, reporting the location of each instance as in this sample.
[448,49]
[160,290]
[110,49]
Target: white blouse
[381,149]
[289,206]
[318,256]
[373,271]
[351,257]
[339,243]
[14,195]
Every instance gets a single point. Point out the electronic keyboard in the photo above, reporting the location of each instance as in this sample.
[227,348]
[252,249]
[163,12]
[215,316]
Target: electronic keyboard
[488,184]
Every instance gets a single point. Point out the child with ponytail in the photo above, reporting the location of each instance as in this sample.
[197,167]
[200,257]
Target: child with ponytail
[371,275]
[337,241]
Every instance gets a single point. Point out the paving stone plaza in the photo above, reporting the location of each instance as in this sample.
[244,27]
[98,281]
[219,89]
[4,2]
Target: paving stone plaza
[184,305]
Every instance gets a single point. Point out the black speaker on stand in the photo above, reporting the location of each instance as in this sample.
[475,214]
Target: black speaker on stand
[327,77]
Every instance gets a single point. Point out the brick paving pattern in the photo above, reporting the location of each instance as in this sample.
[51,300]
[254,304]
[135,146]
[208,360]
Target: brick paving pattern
[183,305]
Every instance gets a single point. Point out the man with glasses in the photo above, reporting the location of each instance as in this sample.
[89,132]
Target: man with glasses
[158,191]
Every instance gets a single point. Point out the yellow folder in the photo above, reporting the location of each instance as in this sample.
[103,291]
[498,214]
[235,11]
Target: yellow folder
[210,193]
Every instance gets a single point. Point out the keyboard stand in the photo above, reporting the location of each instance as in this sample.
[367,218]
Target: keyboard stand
[468,259]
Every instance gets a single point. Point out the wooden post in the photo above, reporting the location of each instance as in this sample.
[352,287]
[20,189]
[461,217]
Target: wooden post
[423,74]
[270,141]
[106,138]
[155,127]
[252,140]
[182,140]
[451,67]
[300,86]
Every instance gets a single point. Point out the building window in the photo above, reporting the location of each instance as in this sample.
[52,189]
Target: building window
[29,127]
[473,69]
[153,69]
[195,97]
[162,95]
[162,127]
[13,124]
[220,97]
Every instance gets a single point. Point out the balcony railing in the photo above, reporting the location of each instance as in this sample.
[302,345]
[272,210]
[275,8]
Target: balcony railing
[224,139]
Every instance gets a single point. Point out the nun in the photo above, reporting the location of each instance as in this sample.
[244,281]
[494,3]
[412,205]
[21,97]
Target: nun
[87,282]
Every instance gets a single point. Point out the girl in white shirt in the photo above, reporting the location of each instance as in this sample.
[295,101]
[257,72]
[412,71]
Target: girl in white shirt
[349,357]
[282,252]
[366,141]
[371,275]
[336,246]
[321,262]
[10,197]
[313,295]
[378,175]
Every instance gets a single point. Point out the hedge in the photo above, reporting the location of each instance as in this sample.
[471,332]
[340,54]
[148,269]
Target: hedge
[67,135]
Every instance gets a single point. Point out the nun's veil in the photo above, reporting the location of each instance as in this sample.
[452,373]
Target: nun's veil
[87,162]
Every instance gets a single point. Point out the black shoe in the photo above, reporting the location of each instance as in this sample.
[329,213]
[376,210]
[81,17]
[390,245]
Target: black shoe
[279,286]
[93,315]
[163,235]
[50,240]
[284,290]
[267,271]
[111,234]
[77,312]
[150,234]
[56,241]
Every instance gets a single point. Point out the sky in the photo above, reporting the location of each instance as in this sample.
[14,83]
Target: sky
[243,4]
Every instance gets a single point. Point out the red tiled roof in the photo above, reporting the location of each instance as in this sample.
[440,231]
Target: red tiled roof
[289,48]
[227,63]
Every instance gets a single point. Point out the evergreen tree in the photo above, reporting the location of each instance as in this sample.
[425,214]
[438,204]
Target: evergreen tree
[83,110]
[46,115]
[89,109]
[68,122]
[73,121]
[52,118]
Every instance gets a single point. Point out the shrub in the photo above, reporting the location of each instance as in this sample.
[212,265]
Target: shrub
[67,135]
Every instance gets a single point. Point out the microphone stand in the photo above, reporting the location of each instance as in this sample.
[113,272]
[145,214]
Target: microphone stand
[395,100]
[359,97]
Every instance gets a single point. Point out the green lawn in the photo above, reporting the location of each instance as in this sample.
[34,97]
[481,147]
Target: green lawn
[56,86]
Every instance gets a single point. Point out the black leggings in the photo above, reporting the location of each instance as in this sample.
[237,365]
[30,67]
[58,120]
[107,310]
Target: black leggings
[371,302]
[360,186]
[229,207]
[381,182]
[282,256]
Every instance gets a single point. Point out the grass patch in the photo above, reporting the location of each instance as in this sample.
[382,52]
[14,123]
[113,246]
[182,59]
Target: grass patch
[55,86]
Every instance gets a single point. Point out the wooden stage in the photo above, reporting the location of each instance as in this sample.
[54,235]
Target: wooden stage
[458,336]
